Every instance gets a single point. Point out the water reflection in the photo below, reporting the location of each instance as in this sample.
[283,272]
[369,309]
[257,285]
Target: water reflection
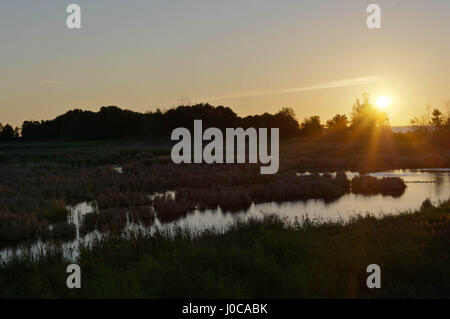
[422,184]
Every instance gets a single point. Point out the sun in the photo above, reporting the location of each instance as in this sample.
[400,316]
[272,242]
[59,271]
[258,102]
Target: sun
[383,102]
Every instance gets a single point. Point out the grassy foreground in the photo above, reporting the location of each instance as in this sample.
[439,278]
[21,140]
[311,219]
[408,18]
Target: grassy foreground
[265,258]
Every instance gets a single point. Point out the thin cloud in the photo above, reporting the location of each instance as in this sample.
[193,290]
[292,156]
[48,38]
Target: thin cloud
[51,82]
[318,86]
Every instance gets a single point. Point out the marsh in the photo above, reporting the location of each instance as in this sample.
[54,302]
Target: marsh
[422,184]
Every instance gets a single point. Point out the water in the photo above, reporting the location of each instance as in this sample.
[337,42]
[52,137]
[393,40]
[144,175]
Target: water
[433,184]
[402,129]
[117,169]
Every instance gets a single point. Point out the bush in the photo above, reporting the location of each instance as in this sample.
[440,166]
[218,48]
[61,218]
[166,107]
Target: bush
[371,185]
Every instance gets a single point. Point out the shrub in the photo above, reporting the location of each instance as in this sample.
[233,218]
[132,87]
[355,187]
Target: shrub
[366,184]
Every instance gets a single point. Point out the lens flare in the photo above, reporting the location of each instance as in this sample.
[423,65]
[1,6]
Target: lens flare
[383,102]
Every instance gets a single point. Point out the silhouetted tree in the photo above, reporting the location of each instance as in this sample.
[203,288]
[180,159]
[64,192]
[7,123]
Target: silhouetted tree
[288,124]
[7,133]
[365,117]
[112,122]
[437,121]
[338,125]
[311,127]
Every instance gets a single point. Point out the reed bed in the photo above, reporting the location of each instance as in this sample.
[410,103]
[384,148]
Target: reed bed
[265,257]
[105,220]
[370,185]
[38,180]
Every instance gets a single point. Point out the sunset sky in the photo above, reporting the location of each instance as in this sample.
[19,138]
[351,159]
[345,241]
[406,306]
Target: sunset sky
[254,56]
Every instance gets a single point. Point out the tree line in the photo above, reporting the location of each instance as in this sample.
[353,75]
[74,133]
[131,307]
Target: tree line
[112,122]
[365,118]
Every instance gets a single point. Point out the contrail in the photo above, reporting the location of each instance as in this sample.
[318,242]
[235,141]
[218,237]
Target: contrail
[318,86]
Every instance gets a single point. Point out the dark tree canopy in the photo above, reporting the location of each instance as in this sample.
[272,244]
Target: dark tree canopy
[437,120]
[114,123]
[312,127]
[8,133]
[365,116]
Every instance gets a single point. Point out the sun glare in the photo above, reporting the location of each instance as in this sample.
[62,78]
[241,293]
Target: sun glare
[383,102]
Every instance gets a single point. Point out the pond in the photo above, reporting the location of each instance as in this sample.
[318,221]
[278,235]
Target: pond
[433,184]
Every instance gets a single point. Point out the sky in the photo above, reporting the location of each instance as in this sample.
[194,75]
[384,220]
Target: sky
[254,56]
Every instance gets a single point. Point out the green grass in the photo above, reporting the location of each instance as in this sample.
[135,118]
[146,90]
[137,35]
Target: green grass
[264,258]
